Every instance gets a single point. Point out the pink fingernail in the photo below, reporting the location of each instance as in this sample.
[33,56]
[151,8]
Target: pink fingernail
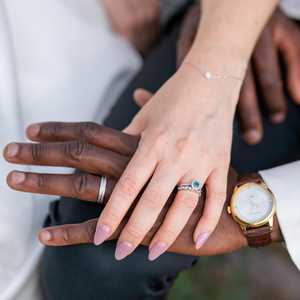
[157,250]
[123,249]
[34,129]
[45,236]
[201,239]
[277,117]
[12,150]
[17,177]
[101,234]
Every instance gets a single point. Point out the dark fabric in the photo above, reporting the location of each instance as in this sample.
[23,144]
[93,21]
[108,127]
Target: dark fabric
[89,272]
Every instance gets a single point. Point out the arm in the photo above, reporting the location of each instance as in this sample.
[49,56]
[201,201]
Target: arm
[284,182]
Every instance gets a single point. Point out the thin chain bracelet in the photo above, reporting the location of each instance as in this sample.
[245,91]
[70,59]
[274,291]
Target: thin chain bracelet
[211,76]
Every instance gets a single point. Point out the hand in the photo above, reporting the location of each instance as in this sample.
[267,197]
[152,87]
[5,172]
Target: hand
[135,20]
[281,37]
[111,150]
[98,150]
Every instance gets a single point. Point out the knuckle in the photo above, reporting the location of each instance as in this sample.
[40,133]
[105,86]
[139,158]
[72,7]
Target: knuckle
[154,202]
[88,130]
[36,151]
[129,186]
[189,202]
[219,197]
[90,228]
[75,150]
[111,217]
[168,233]
[134,232]
[41,181]
[80,184]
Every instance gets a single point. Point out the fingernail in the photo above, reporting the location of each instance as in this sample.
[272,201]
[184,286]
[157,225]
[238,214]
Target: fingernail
[12,150]
[157,250]
[277,118]
[17,177]
[45,236]
[101,235]
[34,129]
[252,136]
[201,239]
[123,249]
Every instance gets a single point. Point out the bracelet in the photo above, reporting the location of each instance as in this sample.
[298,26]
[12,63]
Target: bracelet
[211,76]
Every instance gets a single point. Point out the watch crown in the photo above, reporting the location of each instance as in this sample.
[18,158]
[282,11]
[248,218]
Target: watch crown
[229,209]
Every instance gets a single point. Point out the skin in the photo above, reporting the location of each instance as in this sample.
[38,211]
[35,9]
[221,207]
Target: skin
[168,151]
[111,150]
[280,38]
[137,21]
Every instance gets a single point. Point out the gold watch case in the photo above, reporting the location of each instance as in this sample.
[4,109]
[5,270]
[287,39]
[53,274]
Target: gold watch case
[245,225]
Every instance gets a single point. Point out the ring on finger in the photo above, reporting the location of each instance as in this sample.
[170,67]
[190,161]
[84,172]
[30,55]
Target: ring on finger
[195,186]
[102,189]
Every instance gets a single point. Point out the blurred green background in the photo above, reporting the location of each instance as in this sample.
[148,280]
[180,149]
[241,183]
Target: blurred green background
[252,274]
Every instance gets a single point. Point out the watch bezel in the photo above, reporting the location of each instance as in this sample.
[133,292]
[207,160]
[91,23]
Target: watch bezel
[263,222]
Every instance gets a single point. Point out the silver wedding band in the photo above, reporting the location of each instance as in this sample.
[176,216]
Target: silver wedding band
[102,189]
[195,186]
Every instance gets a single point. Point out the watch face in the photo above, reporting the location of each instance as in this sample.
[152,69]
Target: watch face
[253,203]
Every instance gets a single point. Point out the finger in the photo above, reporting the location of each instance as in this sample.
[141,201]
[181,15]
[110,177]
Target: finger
[141,97]
[66,235]
[267,70]
[79,155]
[134,178]
[248,110]
[177,217]
[147,210]
[215,199]
[289,46]
[79,186]
[88,132]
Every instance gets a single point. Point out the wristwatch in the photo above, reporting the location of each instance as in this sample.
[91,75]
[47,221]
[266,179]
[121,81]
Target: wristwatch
[253,207]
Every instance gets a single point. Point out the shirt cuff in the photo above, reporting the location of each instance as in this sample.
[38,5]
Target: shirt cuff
[284,182]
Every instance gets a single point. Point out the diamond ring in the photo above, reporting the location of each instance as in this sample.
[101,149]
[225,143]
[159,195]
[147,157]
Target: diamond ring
[195,186]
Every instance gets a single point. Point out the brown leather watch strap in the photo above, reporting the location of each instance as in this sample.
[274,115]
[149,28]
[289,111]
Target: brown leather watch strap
[250,178]
[259,237]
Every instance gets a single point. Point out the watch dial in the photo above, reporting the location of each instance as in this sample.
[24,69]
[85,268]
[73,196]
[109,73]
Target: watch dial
[253,204]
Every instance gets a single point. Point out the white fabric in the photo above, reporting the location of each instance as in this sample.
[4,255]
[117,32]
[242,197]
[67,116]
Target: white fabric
[291,8]
[284,183]
[58,62]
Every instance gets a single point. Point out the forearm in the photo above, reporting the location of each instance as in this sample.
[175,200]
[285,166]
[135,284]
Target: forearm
[227,34]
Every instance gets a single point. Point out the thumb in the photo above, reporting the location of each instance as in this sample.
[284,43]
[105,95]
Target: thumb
[141,97]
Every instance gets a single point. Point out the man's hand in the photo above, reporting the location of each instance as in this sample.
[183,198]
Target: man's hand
[281,38]
[135,20]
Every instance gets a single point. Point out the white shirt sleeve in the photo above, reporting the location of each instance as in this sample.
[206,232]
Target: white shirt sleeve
[284,181]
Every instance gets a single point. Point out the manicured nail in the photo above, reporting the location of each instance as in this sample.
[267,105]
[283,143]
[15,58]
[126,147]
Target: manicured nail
[34,130]
[12,150]
[101,235]
[252,136]
[17,177]
[277,118]
[201,239]
[123,249]
[157,250]
[45,236]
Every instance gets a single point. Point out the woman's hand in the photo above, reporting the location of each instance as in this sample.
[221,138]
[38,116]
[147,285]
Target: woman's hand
[186,132]
[94,149]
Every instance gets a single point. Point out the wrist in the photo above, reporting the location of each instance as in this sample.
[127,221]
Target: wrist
[276,234]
